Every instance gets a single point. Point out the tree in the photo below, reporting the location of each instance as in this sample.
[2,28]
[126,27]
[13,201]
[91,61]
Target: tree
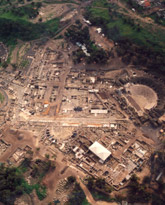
[47,156]
[90,183]
[10,184]
[100,183]
[71,180]
[77,196]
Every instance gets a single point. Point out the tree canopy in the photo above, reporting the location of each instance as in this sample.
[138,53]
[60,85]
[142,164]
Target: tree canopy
[10,184]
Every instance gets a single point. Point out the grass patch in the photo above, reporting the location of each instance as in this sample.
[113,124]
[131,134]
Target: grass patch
[117,26]
[40,190]
[85,202]
[60,2]
[13,29]
[24,63]
[11,48]
[99,12]
[52,25]
[1,98]
[100,3]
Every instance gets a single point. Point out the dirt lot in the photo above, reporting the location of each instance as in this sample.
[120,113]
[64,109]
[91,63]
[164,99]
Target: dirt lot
[16,139]
[50,11]
[100,40]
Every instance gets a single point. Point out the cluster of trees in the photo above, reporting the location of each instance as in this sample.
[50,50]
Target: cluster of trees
[158,19]
[40,168]
[99,184]
[134,48]
[138,192]
[144,192]
[11,30]
[10,184]
[13,184]
[119,21]
[30,10]
[77,196]
[140,55]
[135,5]
[77,34]
[71,180]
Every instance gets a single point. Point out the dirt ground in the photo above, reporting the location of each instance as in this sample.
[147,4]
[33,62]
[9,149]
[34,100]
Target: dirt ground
[16,139]
[143,95]
[50,11]
[100,40]
[143,173]
[62,171]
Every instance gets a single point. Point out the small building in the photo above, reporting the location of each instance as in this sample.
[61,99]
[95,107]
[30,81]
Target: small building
[99,111]
[100,151]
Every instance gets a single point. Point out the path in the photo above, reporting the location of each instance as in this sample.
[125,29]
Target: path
[89,196]
[135,16]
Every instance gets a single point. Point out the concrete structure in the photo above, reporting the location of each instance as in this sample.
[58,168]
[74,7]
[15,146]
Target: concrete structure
[100,151]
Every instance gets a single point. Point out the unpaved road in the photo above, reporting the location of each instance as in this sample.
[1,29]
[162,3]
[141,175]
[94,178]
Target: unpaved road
[135,16]
[89,196]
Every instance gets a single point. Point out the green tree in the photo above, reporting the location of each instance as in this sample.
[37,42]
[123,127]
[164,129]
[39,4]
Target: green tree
[10,184]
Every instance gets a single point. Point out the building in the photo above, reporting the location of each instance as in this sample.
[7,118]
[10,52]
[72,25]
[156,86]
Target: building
[100,151]
[99,111]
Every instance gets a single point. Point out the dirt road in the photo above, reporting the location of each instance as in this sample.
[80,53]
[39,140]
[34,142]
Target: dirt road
[89,196]
[135,16]
[86,191]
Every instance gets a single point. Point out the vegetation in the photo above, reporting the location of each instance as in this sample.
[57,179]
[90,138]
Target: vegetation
[133,4]
[137,192]
[136,44]
[1,98]
[157,19]
[40,168]
[71,180]
[144,192]
[11,30]
[15,24]
[77,196]
[99,184]
[29,11]
[99,189]
[13,184]
[81,37]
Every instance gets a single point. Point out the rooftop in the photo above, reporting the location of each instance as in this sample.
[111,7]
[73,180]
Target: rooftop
[100,151]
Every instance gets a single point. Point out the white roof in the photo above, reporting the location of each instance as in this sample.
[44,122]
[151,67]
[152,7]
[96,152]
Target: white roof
[100,151]
[99,111]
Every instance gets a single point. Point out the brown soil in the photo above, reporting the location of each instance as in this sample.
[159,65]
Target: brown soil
[100,40]
[144,96]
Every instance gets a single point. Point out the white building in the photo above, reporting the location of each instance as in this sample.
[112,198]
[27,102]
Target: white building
[100,151]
